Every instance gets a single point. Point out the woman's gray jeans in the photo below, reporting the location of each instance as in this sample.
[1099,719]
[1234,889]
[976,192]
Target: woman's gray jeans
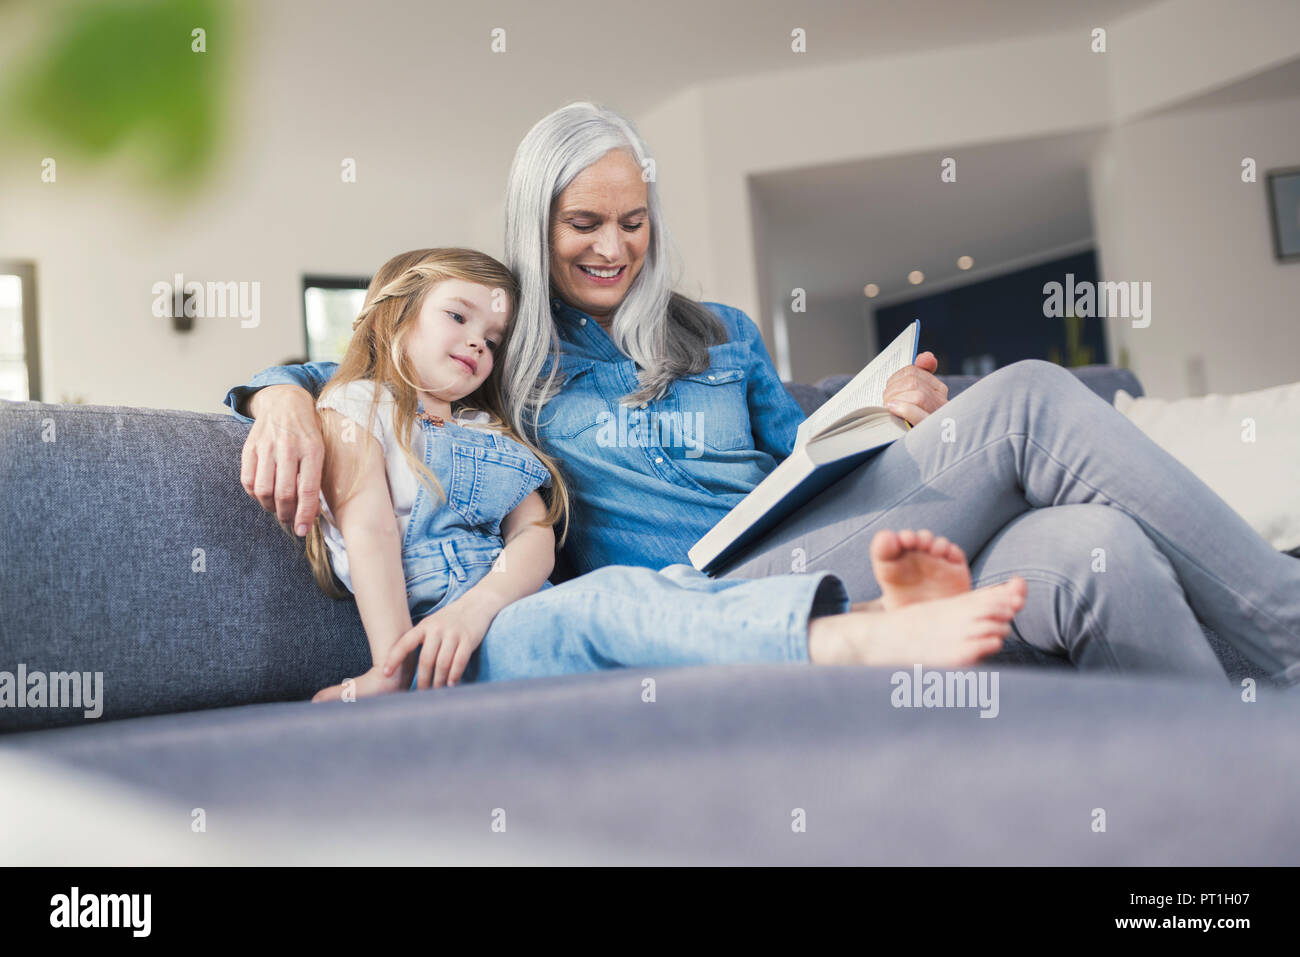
[1033,474]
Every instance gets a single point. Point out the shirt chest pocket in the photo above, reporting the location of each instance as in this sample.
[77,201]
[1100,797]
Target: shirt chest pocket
[577,407]
[715,409]
[488,483]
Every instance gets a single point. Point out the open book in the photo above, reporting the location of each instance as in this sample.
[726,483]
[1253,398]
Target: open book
[830,443]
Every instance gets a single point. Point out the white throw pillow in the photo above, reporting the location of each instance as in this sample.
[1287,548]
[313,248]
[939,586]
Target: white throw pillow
[1246,447]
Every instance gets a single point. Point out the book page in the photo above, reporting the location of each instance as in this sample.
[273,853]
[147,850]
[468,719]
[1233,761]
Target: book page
[864,390]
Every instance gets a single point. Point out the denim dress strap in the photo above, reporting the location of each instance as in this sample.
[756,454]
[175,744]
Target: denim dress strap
[452,542]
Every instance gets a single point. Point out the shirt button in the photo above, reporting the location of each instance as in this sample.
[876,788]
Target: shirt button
[555,304]
[582,321]
[710,378]
[659,460]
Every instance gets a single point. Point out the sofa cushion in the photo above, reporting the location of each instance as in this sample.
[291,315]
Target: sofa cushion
[1246,447]
[712,772]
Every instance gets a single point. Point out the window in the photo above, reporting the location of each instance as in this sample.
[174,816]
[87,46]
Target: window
[20,357]
[329,306]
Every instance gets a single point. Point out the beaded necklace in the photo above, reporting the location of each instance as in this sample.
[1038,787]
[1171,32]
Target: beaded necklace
[431,418]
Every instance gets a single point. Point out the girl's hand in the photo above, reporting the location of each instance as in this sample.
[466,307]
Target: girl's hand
[373,682]
[449,637]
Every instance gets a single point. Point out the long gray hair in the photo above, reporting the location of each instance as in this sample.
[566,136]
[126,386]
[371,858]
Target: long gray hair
[665,333]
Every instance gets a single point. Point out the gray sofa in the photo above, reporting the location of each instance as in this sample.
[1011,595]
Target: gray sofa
[127,547]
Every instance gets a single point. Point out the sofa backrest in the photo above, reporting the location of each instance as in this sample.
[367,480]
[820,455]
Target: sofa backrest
[129,548]
[1105,380]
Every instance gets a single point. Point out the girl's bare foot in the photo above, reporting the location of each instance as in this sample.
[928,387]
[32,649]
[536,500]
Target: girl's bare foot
[916,566]
[373,682]
[945,632]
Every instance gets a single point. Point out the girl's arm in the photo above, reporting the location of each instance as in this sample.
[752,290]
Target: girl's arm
[526,561]
[370,533]
[451,634]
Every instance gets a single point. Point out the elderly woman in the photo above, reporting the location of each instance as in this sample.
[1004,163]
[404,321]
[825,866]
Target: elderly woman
[1028,471]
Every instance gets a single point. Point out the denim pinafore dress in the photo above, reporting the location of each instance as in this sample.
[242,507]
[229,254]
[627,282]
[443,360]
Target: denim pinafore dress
[450,545]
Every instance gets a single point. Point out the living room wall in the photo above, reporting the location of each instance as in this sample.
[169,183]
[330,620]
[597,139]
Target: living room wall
[1171,209]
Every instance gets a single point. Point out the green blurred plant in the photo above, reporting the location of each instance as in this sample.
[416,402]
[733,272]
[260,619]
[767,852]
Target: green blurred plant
[126,76]
[1076,354]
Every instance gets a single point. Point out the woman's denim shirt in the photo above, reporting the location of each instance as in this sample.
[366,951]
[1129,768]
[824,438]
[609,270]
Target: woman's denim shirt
[646,482]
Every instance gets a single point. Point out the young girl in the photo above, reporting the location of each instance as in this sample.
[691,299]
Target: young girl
[433,512]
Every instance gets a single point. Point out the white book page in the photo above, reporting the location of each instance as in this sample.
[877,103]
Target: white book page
[865,390]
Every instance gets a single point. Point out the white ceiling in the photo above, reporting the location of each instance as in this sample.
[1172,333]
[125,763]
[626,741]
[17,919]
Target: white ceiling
[1279,83]
[832,230]
[685,42]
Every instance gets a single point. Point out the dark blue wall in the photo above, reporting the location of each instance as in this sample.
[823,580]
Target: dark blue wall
[1000,317]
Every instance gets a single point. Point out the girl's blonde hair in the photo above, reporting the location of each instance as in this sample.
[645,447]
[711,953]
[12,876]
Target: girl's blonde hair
[375,352]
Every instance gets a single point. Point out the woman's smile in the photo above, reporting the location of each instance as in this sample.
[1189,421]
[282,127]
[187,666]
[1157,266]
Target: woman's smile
[603,276]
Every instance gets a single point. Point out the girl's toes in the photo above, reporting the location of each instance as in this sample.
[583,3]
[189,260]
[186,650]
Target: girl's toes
[985,647]
[1011,590]
[995,605]
[924,539]
[940,547]
[985,632]
[955,554]
[907,538]
[885,546]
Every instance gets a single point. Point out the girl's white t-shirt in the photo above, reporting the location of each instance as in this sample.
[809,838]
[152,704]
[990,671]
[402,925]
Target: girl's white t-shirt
[353,400]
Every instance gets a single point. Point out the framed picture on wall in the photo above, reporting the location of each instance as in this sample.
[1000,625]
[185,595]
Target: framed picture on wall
[1284,204]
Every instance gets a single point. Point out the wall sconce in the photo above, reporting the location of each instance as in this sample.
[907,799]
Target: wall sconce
[183,310]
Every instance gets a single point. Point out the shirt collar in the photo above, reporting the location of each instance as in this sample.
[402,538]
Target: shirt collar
[570,314]
[576,327]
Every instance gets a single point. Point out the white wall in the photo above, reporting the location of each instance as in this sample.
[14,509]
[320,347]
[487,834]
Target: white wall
[675,132]
[1171,209]
[843,338]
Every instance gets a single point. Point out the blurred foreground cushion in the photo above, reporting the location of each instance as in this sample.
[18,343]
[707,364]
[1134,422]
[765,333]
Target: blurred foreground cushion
[1246,447]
